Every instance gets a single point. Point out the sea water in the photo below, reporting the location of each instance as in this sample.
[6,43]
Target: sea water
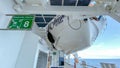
[96,62]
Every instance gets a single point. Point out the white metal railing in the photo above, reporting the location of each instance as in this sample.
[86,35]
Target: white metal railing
[108,65]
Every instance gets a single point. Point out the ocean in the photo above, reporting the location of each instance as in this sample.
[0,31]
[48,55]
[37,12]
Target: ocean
[96,62]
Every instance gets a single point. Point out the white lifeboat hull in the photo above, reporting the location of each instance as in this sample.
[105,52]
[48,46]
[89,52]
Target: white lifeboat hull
[70,35]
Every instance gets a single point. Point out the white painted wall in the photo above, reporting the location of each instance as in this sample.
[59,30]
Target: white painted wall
[18,49]
[10,44]
[29,51]
[10,41]
[6,7]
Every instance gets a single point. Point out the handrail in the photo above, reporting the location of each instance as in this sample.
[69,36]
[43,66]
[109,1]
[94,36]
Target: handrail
[86,66]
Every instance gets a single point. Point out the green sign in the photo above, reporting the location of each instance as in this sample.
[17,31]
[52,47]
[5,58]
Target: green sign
[21,22]
[54,53]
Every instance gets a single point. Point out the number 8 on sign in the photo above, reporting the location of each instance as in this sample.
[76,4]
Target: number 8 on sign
[26,24]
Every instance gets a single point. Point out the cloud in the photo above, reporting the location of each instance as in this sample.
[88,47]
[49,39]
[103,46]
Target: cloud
[100,51]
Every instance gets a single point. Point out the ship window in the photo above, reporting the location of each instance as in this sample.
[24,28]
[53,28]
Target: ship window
[49,15]
[39,19]
[70,2]
[41,24]
[83,2]
[38,15]
[43,20]
[42,60]
[48,19]
[56,2]
[61,61]
[57,67]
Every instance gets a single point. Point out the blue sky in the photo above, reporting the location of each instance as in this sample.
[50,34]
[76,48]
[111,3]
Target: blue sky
[107,44]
